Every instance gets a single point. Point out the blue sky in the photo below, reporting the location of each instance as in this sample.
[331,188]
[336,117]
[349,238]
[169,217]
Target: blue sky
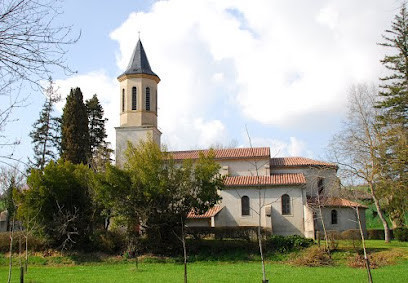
[279,68]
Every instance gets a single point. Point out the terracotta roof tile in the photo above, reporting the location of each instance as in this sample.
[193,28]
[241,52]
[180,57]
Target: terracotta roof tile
[334,202]
[272,180]
[227,153]
[208,214]
[298,161]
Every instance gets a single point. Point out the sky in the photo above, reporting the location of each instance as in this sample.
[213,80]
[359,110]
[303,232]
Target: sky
[278,70]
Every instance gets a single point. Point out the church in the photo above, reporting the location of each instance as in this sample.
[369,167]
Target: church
[286,195]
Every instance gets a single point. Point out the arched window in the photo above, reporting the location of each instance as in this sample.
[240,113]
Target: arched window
[156,102]
[148,98]
[134,98]
[285,204]
[123,100]
[334,216]
[320,186]
[245,205]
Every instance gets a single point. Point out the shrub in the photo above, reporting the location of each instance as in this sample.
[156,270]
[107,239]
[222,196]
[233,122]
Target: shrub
[376,234]
[352,238]
[279,243]
[313,257]
[221,249]
[244,232]
[112,242]
[35,243]
[401,234]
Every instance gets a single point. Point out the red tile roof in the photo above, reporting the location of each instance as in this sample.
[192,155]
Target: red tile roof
[227,153]
[272,180]
[334,202]
[298,161]
[208,214]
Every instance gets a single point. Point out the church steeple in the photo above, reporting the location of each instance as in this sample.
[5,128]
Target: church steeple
[138,103]
[139,64]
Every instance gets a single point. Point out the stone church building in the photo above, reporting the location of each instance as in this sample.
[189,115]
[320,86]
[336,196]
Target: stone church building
[289,192]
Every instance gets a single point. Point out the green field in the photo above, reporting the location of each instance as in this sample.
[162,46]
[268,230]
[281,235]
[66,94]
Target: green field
[212,271]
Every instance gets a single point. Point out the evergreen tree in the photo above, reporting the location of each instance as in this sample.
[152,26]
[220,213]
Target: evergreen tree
[100,151]
[395,88]
[394,118]
[46,133]
[74,129]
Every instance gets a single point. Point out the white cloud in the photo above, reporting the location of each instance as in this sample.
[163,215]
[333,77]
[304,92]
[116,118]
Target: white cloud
[286,62]
[271,62]
[279,148]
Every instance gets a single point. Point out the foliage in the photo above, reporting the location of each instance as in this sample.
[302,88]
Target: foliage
[10,203]
[110,242]
[100,151]
[282,244]
[59,202]
[46,133]
[401,234]
[237,232]
[155,193]
[35,243]
[74,128]
[394,118]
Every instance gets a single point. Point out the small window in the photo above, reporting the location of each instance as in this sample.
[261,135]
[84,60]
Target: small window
[285,204]
[123,100]
[334,216]
[134,98]
[156,102]
[148,98]
[245,205]
[320,186]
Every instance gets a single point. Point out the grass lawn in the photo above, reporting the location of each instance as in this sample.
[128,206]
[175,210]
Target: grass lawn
[214,271]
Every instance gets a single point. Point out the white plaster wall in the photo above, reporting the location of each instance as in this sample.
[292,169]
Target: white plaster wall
[312,174]
[134,135]
[308,222]
[280,224]
[245,167]
[346,219]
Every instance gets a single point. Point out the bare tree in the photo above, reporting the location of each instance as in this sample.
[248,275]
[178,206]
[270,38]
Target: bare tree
[357,147]
[32,46]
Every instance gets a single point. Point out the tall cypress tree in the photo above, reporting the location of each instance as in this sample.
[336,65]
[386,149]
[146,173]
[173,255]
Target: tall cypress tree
[74,128]
[394,119]
[46,133]
[100,151]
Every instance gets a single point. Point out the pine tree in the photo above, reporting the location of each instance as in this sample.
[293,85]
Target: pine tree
[46,133]
[395,88]
[394,118]
[100,151]
[74,128]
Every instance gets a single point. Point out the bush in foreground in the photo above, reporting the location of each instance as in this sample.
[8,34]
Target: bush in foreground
[401,234]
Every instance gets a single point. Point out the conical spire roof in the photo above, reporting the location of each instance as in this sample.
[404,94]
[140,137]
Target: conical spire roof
[139,64]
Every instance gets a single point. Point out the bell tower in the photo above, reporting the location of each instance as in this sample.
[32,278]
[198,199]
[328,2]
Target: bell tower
[138,103]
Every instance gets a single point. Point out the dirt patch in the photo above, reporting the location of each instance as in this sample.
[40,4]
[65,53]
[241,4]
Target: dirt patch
[376,260]
[312,257]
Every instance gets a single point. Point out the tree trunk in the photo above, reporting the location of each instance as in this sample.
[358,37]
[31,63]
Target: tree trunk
[183,240]
[11,251]
[369,277]
[387,233]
